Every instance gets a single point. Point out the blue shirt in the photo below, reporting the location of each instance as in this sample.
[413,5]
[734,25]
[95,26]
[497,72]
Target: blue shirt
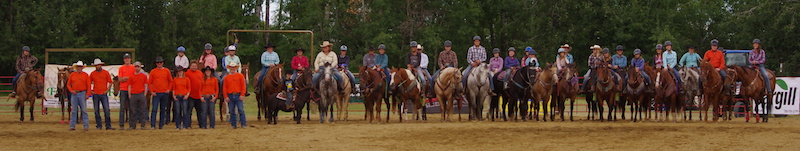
[269,59]
[670,59]
[620,61]
[638,63]
[382,60]
[510,62]
[532,62]
[690,60]
[569,58]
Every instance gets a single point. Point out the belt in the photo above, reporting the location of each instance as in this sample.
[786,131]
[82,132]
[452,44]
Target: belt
[236,93]
[208,96]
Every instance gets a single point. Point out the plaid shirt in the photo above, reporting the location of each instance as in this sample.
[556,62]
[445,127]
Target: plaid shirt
[448,59]
[758,57]
[476,53]
[25,62]
[595,61]
[658,61]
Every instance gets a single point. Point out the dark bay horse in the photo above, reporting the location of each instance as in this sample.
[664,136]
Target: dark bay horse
[605,91]
[753,89]
[494,102]
[302,95]
[635,88]
[27,87]
[727,96]
[541,90]
[712,90]
[448,82]
[566,88]
[518,92]
[649,95]
[406,88]
[271,84]
[373,83]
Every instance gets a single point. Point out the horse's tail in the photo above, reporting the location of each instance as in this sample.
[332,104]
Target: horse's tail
[19,105]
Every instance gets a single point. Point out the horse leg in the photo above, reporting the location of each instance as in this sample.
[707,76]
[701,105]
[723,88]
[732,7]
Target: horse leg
[571,108]
[504,109]
[33,101]
[21,111]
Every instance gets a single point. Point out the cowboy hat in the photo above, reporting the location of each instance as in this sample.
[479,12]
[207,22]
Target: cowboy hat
[595,47]
[233,64]
[326,44]
[159,59]
[79,63]
[207,68]
[97,61]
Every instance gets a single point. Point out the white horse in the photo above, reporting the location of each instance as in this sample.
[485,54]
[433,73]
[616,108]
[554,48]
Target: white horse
[478,88]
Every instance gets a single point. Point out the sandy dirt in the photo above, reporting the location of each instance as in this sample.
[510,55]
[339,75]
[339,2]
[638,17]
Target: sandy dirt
[48,134]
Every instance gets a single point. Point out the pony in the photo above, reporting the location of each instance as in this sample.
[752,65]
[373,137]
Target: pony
[327,87]
[691,87]
[373,83]
[62,92]
[445,88]
[27,86]
[605,91]
[477,90]
[712,89]
[566,88]
[541,90]
[344,97]
[753,89]
[518,92]
[302,95]
[406,88]
[271,84]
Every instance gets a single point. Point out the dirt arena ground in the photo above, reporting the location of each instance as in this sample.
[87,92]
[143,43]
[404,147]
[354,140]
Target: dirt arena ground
[48,134]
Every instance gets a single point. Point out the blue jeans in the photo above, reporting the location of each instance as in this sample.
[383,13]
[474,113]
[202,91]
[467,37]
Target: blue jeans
[159,106]
[466,73]
[433,79]
[78,101]
[677,76]
[388,77]
[14,82]
[123,99]
[723,74]
[352,79]
[235,105]
[765,75]
[208,113]
[198,108]
[98,100]
[182,107]
[315,79]
[263,72]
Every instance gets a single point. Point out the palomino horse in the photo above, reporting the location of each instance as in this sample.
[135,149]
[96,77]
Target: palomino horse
[691,87]
[343,98]
[302,95]
[445,88]
[63,93]
[27,87]
[406,88]
[271,84]
[667,95]
[712,90]
[566,88]
[518,92]
[373,83]
[328,92]
[542,89]
[605,91]
[753,89]
[635,88]
[477,90]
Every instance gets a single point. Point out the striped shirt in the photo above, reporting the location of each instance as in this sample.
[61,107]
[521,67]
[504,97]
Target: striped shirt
[476,53]
[269,58]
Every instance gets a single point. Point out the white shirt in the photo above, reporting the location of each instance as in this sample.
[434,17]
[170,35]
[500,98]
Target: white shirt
[182,61]
[423,63]
[322,58]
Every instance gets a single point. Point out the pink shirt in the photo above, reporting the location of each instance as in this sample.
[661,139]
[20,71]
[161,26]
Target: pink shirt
[209,61]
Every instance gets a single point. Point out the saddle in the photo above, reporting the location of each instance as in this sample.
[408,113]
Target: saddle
[281,96]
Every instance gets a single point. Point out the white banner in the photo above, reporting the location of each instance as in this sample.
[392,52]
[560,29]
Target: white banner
[786,99]
[51,81]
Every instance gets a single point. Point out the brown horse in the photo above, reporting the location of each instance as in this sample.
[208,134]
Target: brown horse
[448,81]
[541,90]
[374,85]
[753,89]
[566,88]
[649,94]
[712,89]
[62,92]
[667,95]
[271,84]
[27,87]
[605,91]
[635,89]
[728,91]
[406,88]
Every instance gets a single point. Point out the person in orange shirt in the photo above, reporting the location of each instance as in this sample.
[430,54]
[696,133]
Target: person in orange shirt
[209,93]
[138,103]
[234,89]
[160,85]
[716,58]
[123,74]
[195,79]
[182,86]
[101,80]
[77,85]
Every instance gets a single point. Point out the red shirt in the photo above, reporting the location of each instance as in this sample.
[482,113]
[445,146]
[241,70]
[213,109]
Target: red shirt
[101,79]
[181,86]
[210,86]
[234,83]
[78,81]
[137,83]
[125,71]
[196,79]
[160,80]
[299,61]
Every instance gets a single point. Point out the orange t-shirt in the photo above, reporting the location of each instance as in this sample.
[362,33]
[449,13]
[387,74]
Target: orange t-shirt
[196,79]
[234,83]
[181,86]
[716,58]
[210,86]
[125,71]
[137,83]
[101,79]
[78,81]
[160,80]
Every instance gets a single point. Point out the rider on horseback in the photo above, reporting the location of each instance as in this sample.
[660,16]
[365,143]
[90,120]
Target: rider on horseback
[447,58]
[618,62]
[670,60]
[511,64]
[496,62]
[323,58]
[595,60]
[25,62]
[268,59]
[691,60]
[475,56]
[638,63]
[414,60]
[382,62]
[716,58]
[757,59]
[343,62]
